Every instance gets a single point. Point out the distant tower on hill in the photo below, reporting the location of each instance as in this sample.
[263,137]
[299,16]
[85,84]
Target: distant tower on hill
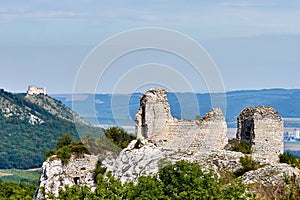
[32,90]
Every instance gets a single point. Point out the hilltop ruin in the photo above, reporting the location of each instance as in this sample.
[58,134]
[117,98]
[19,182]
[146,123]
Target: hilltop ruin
[262,128]
[155,123]
[33,90]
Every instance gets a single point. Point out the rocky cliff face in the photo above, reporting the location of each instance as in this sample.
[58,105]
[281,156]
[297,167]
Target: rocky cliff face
[55,175]
[143,158]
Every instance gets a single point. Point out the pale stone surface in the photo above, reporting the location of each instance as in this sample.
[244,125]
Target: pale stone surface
[145,158]
[32,90]
[78,171]
[271,175]
[262,128]
[155,123]
[35,120]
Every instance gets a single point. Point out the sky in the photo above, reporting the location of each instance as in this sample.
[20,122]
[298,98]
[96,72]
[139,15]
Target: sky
[254,44]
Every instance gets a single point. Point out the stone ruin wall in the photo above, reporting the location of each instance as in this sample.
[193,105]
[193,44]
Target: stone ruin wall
[155,123]
[32,90]
[260,126]
[263,129]
[78,171]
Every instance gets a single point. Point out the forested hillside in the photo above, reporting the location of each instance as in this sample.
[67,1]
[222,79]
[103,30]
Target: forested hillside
[30,124]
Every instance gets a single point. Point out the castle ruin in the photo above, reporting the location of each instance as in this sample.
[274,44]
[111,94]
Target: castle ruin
[33,90]
[262,128]
[155,123]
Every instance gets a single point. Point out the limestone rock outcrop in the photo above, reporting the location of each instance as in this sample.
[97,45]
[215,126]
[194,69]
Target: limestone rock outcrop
[55,175]
[272,175]
[143,158]
[155,123]
[262,128]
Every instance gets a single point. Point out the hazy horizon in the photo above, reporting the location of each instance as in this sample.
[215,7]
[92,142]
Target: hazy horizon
[254,44]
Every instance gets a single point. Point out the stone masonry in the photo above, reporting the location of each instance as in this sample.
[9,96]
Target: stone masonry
[55,175]
[262,128]
[32,90]
[155,123]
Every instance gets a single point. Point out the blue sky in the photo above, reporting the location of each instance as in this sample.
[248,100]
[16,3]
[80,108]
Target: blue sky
[255,44]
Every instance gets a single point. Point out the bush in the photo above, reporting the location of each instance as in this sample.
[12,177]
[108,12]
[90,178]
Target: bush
[78,149]
[99,170]
[119,136]
[247,165]
[64,154]
[289,159]
[65,140]
[10,190]
[240,146]
[181,180]
[66,147]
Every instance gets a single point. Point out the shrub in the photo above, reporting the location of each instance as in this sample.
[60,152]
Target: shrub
[248,164]
[66,147]
[78,149]
[181,180]
[10,190]
[64,154]
[119,136]
[240,146]
[289,159]
[99,170]
[65,140]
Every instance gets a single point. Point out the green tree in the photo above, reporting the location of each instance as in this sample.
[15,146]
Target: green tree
[10,190]
[289,159]
[65,140]
[185,180]
[119,136]
[181,180]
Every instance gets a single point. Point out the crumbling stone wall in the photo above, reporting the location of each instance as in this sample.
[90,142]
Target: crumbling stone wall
[32,90]
[55,175]
[262,128]
[155,123]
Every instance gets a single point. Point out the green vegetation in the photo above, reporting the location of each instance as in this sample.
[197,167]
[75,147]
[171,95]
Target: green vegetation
[182,180]
[66,147]
[239,146]
[10,190]
[22,144]
[290,159]
[119,136]
[248,164]
[24,176]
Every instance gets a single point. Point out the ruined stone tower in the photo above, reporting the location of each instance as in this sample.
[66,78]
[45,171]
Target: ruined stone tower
[155,123]
[262,128]
[32,90]
[154,113]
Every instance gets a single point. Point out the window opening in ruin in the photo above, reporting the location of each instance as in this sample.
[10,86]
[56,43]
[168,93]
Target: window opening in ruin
[76,180]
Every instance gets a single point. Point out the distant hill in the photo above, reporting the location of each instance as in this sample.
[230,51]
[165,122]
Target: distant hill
[30,124]
[285,101]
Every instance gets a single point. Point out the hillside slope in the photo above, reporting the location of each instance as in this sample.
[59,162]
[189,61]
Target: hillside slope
[30,124]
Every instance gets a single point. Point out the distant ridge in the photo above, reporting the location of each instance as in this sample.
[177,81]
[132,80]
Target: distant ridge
[285,101]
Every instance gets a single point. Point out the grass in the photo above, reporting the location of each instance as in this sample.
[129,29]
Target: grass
[24,176]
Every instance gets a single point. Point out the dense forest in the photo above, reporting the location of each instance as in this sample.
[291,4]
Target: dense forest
[22,144]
